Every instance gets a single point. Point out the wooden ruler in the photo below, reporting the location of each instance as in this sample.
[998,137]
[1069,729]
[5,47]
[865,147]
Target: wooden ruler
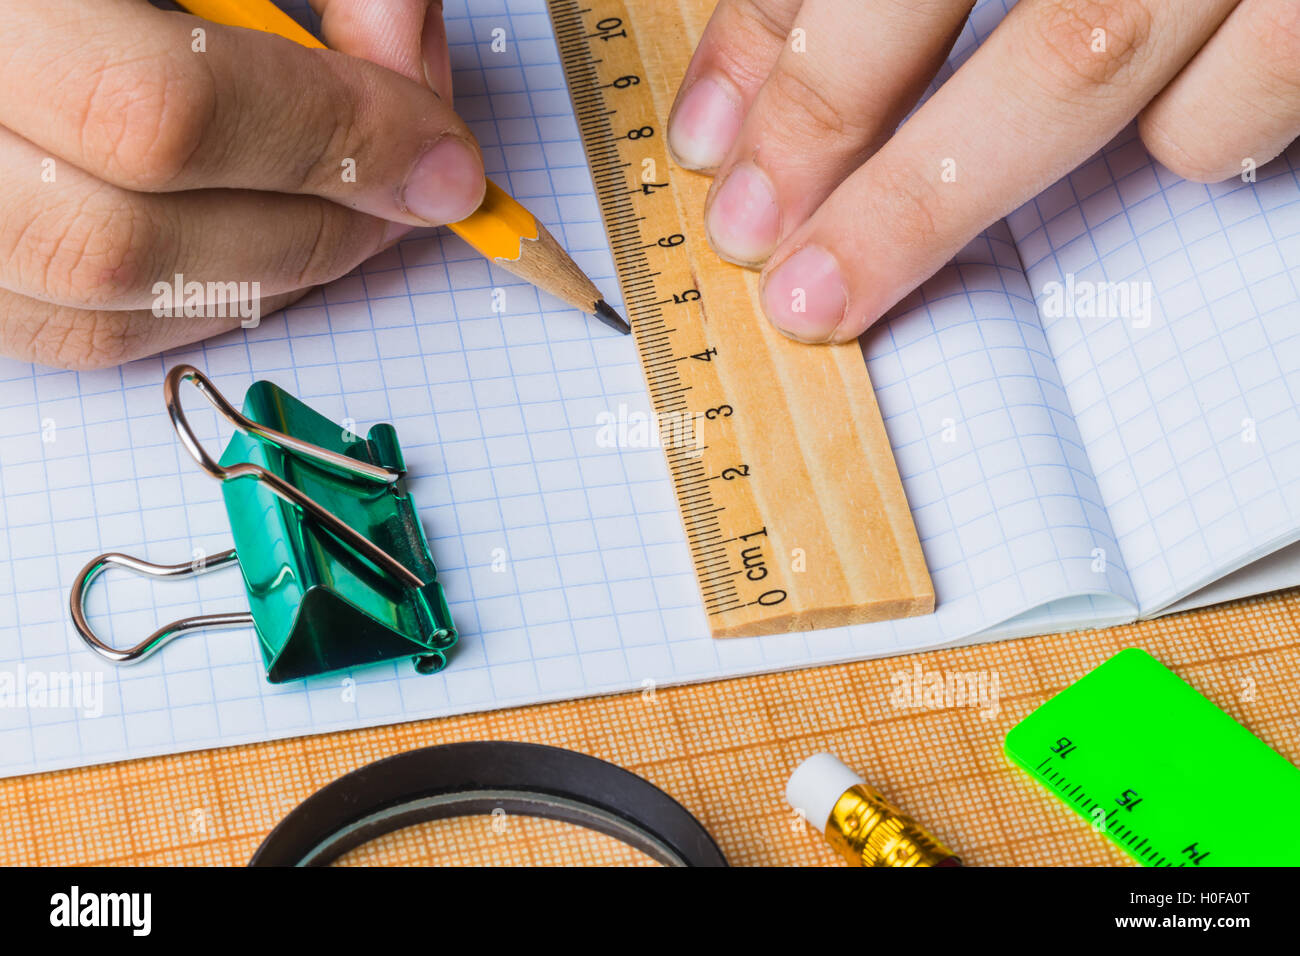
[784,475]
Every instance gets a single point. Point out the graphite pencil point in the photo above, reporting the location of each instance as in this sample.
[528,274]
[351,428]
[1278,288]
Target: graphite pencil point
[611,318]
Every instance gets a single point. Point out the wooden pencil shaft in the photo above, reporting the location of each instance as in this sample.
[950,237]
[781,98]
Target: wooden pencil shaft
[543,262]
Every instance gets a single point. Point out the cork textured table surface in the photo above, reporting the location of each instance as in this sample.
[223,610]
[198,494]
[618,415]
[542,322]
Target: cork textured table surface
[724,750]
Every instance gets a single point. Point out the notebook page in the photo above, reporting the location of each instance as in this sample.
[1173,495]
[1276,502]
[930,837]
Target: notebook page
[562,555]
[982,434]
[1273,572]
[1187,397]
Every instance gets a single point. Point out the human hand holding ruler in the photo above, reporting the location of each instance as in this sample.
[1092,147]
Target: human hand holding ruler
[786,484]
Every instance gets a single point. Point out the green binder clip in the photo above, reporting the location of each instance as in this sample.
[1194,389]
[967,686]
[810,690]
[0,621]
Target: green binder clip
[335,562]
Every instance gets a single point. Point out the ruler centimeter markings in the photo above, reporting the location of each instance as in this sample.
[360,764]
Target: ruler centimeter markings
[664,352]
[1082,802]
[783,475]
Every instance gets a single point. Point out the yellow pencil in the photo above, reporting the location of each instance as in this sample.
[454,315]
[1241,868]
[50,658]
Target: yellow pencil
[501,229]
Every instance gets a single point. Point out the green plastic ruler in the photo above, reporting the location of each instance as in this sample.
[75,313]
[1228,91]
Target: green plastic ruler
[1169,777]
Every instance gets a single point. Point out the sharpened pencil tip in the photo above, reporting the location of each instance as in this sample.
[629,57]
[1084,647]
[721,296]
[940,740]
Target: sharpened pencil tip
[611,318]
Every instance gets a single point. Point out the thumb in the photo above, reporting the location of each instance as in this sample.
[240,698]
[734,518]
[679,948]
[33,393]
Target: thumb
[406,36]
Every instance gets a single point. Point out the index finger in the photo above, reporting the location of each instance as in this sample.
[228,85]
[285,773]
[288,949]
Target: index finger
[740,43]
[407,36]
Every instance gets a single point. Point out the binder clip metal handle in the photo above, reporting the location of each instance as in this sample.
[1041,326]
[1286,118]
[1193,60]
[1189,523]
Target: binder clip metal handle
[327,539]
[188,373]
[164,634]
[281,488]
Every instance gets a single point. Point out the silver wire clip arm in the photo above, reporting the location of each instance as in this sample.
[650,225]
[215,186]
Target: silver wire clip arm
[167,632]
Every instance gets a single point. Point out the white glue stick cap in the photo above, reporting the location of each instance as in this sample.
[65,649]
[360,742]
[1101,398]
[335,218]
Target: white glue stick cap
[816,785]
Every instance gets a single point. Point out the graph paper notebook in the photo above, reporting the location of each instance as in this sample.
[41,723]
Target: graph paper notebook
[1064,470]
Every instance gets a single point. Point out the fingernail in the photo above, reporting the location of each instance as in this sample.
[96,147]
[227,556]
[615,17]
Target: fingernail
[744,222]
[804,296]
[446,184]
[704,125]
[433,53]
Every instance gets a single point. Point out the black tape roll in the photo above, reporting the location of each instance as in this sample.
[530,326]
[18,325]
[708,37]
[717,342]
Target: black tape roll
[453,780]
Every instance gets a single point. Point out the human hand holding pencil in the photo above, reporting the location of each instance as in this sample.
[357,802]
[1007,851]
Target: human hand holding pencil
[127,157]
